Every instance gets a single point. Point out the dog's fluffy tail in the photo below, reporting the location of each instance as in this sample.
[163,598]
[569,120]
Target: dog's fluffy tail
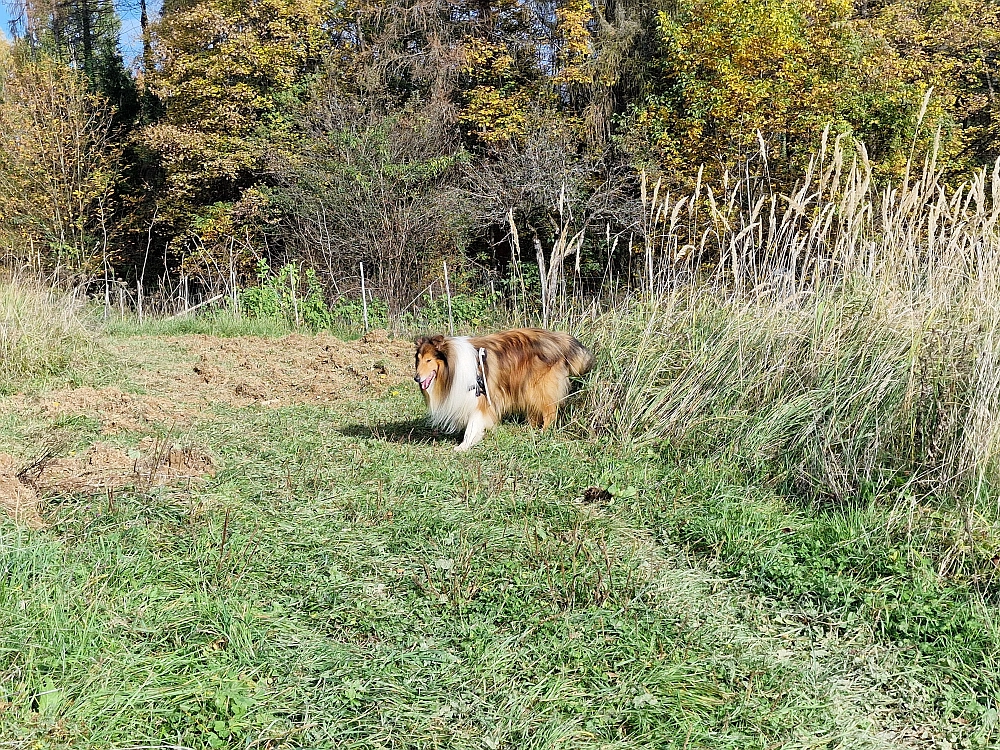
[578,358]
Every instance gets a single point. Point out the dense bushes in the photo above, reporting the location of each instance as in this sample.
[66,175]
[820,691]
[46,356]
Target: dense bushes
[495,137]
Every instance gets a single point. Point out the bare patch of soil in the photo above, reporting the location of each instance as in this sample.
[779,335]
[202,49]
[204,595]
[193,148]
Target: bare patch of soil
[102,468]
[106,467]
[17,498]
[295,369]
[116,410]
[185,376]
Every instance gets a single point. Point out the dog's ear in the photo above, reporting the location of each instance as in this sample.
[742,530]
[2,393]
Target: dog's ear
[435,341]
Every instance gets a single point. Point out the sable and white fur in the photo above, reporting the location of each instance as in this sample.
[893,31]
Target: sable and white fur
[527,370]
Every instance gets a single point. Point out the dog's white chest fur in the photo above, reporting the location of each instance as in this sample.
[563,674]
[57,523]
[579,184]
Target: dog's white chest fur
[452,411]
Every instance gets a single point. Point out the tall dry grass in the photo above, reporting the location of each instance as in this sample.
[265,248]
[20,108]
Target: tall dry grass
[849,333]
[42,333]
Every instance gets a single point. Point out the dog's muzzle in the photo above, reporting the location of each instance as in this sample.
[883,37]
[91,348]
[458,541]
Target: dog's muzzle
[426,382]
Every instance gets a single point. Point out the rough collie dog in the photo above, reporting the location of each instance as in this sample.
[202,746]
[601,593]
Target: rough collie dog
[470,383]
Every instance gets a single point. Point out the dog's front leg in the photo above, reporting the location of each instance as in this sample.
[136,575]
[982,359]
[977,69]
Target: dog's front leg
[473,432]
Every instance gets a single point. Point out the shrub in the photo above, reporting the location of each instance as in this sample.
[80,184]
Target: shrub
[293,294]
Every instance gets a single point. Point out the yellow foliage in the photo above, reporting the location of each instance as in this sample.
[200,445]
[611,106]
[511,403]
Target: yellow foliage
[779,68]
[485,60]
[496,104]
[495,116]
[512,67]
[224,71]
[58,166]
[574,39]
[950,47]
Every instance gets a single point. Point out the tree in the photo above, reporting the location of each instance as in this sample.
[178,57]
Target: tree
[500,73]
[83,34]
[954,48]
[550,198]
[229,75]
[732,69]
[58,168]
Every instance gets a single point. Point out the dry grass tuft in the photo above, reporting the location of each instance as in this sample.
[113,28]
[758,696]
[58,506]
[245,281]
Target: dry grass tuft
[848,332]
[42,333]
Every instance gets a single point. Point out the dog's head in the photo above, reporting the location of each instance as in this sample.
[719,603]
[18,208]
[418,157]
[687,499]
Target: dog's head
[430,360]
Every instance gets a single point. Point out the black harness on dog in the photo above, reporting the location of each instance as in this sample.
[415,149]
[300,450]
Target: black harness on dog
[480,386]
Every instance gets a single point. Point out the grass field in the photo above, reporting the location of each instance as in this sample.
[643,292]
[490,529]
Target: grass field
[770,520]
[345,580]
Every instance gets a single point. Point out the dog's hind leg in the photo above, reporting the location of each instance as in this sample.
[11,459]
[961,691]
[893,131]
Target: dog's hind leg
[555,389]
[474,431]
[549,414]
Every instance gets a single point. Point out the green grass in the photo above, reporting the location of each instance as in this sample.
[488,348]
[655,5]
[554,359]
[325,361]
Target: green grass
[43,335]
[222,323]
[869,568]
[348,581]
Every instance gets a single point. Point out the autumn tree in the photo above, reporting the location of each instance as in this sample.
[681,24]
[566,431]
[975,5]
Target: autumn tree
[398,132]
[481,57]
[229,74]
[500,75]
[730,70]
[523,58]
[954,49]
[58,168]
[83,34]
